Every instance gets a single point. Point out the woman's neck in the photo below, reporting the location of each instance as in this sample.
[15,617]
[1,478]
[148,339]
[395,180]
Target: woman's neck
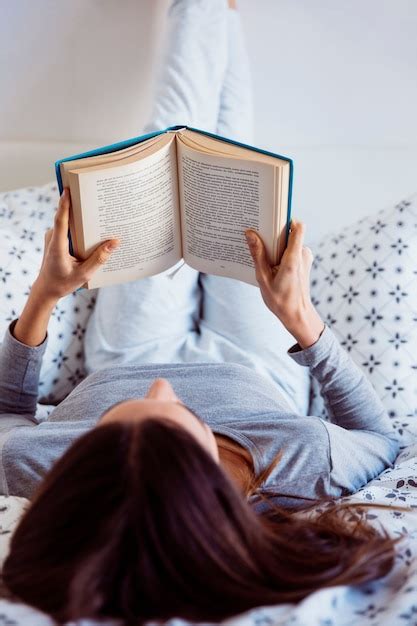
[236,461]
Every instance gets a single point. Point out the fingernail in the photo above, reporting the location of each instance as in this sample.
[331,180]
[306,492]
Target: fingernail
[112,245]
[64,193]
[250,238]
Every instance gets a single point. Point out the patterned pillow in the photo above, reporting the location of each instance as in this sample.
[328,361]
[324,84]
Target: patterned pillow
[25,214]
[364,284]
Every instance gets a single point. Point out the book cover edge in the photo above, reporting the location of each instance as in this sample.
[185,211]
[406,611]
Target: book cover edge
[135,140]
[119,145]
[262,151]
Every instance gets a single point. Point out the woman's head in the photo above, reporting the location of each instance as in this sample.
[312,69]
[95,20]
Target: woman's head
[138,521]
[131,521]
[161,399]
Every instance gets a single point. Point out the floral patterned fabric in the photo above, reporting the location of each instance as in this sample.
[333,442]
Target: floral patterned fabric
[364,284]
[25,215]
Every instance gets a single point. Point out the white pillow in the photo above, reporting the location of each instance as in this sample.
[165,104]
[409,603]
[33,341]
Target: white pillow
[25,214]
[364,284]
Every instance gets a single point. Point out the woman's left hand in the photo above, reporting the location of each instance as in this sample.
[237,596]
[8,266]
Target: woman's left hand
[285,288]
[61,273]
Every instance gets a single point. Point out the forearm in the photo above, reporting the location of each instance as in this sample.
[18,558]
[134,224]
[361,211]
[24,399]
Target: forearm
[21,355]
[20,366]
[25,341]
[31,327]
[350,397]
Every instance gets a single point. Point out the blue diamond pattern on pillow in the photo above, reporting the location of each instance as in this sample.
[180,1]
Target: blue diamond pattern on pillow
[25,215]
[364,284]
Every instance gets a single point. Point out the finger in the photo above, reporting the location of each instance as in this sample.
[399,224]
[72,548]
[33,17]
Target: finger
[99,257]
[257,249]
[48,237]
[61,221]
[308,256]
[296,239]
[308,259]
[307,264]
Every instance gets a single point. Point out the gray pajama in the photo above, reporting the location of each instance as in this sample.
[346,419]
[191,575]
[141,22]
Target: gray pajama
[319,458]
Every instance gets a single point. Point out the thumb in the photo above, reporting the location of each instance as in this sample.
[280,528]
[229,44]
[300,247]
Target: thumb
[257,249]
[47,239]
[100,255]
[308,259]
[308,256]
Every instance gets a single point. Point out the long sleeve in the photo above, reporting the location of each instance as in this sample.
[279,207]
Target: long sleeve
[19,378]
[361,438]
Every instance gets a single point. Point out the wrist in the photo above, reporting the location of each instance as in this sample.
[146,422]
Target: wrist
[308,328]
[31,327]
[42,296]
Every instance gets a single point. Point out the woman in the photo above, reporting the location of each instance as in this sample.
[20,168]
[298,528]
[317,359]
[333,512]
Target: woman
[183,452]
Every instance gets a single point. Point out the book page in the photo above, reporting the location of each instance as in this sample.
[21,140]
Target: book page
[215,145]
[138,203]
[220,198]
[109,157]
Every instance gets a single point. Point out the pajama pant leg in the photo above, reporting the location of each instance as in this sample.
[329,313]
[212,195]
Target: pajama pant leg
[148,321]
[236,325]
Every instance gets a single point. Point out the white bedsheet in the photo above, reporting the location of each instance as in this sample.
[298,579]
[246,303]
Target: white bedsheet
[391,601]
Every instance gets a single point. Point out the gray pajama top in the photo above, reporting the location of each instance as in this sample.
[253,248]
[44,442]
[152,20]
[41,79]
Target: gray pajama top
[319,459]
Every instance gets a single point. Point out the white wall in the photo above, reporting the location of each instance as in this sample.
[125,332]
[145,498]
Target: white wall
[335,88]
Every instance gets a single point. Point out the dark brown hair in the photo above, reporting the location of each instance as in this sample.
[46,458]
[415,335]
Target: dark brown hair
[136,521]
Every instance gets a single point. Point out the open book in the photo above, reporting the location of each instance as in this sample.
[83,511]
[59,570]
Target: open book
[180,193]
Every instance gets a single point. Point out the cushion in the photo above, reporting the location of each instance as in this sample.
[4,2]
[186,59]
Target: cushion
[364,284]
[25,214]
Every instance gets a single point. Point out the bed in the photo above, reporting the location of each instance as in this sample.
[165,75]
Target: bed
[357,175]
[364,285]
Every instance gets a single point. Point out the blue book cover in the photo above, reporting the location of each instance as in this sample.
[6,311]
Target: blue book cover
[136,140]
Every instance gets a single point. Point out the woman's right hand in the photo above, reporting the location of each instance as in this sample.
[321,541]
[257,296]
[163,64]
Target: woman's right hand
[285,288]
[61,273]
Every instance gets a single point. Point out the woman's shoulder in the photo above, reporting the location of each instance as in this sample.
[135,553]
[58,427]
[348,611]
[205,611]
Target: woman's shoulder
[301,445]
